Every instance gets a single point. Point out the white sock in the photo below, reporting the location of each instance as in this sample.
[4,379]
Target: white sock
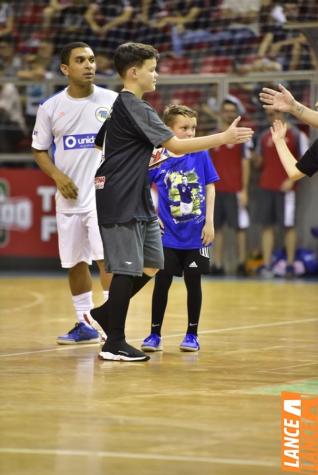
[83,303]
[106,295]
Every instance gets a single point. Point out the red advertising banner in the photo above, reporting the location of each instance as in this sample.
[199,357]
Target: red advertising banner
[27,214]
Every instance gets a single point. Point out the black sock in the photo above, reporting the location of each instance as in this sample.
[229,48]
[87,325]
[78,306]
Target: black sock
[159,300]
[139,283]
[117,306]
[101,314]
[194,301]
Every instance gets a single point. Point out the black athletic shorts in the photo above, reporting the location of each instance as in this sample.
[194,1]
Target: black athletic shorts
[178,261]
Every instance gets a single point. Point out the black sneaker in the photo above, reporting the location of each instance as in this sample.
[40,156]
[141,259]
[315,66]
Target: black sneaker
[121,351]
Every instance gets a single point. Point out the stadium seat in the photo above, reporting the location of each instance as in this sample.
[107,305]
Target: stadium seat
[180,65]
[215,64]
[188,97]
[155,99]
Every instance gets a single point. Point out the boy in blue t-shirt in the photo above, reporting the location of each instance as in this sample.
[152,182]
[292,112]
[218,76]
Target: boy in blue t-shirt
[185,207]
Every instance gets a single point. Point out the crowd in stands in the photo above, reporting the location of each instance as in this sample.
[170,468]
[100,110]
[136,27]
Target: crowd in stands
[193,36]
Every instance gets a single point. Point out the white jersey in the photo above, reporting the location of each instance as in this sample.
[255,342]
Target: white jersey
[70,126]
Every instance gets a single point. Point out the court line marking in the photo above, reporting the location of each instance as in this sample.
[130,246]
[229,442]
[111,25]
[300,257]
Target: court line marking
[138,456]
[204,332]
[38,299]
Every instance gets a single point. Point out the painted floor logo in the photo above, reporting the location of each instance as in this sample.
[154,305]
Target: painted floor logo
[299,414]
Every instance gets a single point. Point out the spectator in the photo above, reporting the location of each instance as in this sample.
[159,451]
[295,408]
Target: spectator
[12,123]
[6,18]
[36,91]
[189,20]
[286,45]
[277,199]
[10,62]
[232,165]
[152,25]
[53,10]
[104,65]
[242,27]
[71,24]
[108,23]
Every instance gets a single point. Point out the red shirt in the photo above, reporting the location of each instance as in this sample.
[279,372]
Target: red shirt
[227,160]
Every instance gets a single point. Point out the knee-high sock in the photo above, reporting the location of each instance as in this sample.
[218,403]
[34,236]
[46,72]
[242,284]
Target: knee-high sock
[159,300]
[194,301]
[117,306]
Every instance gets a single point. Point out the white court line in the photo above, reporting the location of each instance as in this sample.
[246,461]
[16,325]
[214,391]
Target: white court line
[139,456]
[37,299]
[204,332]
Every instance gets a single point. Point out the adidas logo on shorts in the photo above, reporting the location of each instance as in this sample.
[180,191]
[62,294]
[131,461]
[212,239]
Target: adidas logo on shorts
[193,264]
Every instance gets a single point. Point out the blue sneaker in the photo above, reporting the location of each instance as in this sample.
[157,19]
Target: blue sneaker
[81,333]
[152,343]
[190,343]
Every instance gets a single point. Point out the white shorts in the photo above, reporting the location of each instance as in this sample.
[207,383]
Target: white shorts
[79,238]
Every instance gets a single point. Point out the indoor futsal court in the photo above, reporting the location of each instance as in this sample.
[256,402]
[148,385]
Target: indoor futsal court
[216,412]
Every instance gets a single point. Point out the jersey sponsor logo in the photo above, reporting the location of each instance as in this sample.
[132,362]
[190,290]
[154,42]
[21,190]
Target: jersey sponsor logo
[101,114]
[72,142]
[35,133]
[100,182]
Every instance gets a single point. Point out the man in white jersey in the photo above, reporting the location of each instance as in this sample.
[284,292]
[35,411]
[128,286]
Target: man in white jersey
[67,123]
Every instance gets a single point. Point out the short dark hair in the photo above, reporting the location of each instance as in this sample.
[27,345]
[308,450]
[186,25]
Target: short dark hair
[133,54]
[67,49]
[173,110]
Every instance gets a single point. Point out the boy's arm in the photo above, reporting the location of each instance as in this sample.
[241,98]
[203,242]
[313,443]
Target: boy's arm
[63,183]
[288,160]
[207,235]
[284,101]
[243,194]
[232,135]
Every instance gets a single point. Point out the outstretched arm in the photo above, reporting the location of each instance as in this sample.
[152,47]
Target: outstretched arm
[284,101]
[288,160]
[232,135]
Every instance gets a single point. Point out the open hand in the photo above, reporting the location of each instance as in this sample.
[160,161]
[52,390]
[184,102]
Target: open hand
[236,134]
[278,130]
[281,100]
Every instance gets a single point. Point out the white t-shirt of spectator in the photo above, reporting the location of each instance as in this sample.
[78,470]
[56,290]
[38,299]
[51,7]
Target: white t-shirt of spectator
[68,127]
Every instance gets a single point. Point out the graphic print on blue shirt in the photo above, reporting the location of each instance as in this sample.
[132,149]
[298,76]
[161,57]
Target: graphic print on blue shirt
[181,183]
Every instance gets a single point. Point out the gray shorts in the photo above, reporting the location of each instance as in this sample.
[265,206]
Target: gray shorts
[130,247]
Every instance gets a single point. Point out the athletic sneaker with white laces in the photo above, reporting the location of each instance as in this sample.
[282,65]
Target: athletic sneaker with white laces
[80,334]
[152,343]
[190,343]
[121,351]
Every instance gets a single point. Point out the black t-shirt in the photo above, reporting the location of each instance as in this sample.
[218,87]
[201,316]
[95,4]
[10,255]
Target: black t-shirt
[122,188]
[308,164]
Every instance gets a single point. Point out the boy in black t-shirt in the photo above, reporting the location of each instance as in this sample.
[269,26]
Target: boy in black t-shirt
[127,219]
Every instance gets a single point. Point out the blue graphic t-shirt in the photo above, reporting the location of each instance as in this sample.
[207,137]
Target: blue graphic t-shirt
[181,185]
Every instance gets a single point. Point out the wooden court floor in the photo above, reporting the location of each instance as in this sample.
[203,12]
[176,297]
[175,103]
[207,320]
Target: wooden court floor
[217,412]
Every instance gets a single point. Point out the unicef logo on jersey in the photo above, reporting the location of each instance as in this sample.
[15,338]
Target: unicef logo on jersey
[72,142]
[101,114]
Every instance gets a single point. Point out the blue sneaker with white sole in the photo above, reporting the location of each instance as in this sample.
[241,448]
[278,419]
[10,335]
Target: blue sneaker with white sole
[190,343]
[80,334]
[152,343]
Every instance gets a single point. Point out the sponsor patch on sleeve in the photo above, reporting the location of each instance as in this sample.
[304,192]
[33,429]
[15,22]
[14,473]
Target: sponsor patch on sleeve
[100,182]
